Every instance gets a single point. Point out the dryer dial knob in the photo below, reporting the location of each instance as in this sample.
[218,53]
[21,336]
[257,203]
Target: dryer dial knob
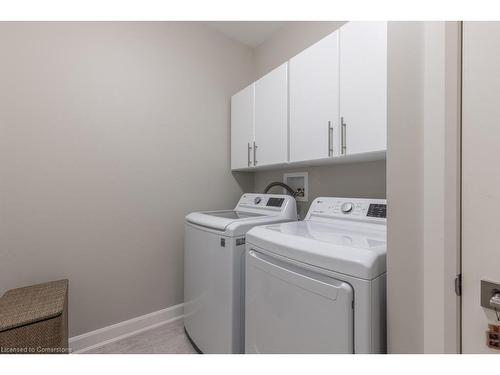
[347,207]
[257,200]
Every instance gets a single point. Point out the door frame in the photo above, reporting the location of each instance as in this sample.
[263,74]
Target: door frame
[442,186]
[423,186]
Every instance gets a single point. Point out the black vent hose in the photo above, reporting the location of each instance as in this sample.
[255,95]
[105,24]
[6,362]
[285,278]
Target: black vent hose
[284,186]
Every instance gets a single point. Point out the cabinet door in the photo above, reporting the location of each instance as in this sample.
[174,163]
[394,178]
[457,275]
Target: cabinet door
[271,118]
[242,127]
[363,86]
[314,101]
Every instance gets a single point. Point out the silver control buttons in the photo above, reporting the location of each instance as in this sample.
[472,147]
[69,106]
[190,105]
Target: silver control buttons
[347,207]
[257,200]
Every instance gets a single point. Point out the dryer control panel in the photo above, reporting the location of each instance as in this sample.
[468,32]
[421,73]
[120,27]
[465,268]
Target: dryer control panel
[377,210]
[374,210]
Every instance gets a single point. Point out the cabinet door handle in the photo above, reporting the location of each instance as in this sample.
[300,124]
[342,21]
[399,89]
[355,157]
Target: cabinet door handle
[330,135]
[254,154]
[248,154]
[343,128]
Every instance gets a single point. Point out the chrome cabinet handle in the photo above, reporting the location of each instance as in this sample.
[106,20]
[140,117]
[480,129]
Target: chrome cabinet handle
[343,128]
[330,135]
[254,154]
[248,154]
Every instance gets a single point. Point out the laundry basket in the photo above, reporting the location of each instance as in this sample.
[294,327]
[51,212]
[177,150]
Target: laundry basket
[34,319]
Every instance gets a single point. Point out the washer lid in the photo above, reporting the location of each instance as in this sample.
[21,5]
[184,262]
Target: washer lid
[252,209]
[354,249]
[220,220]
[232,214]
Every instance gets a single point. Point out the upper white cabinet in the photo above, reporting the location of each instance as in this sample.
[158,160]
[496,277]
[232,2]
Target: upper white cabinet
[327,104]
[314,101]
[271,118]
[242,128]
[363,87]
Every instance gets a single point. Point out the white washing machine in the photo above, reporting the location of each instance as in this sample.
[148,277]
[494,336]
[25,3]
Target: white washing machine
[214,248]
[319,285]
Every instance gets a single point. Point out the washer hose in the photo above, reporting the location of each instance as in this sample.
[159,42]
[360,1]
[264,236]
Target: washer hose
[284,186]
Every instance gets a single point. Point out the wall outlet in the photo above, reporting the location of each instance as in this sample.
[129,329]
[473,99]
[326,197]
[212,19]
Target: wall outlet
[298,181]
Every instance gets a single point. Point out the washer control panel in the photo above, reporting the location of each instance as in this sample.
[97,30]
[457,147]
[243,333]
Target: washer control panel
[273,202]
[368,209]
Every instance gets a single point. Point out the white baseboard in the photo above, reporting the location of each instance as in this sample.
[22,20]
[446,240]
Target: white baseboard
[115,332]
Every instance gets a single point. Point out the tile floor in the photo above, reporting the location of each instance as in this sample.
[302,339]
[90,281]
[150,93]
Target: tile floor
[167,339]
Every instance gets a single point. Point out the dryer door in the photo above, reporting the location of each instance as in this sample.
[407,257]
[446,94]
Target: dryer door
[293,310]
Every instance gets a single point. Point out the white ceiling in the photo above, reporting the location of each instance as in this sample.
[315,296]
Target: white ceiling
[251,33]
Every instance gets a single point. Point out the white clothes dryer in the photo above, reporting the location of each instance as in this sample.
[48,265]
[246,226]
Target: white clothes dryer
[319,285]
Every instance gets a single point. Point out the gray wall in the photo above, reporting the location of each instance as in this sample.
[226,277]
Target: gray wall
[288,41]
[363,180]
[423,186]
[110,134]
[404,187]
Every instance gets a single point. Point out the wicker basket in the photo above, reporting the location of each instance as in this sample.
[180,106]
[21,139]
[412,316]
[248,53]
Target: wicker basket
[34,319]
